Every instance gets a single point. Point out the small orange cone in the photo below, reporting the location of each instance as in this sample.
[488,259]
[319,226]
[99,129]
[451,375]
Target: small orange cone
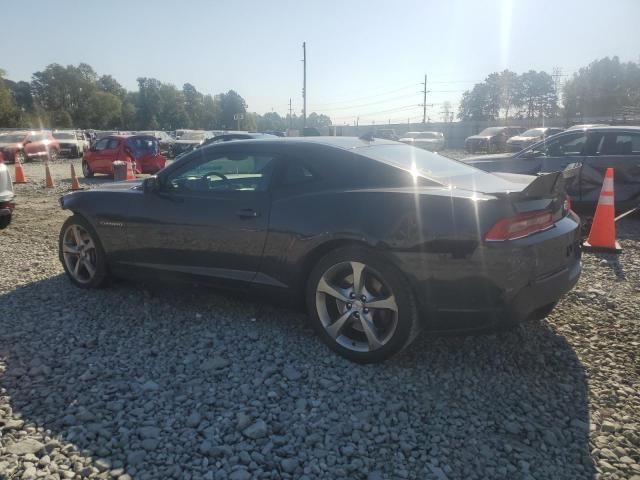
[20,177]
[602,236]
[75,184]
[48,180]
[130,174]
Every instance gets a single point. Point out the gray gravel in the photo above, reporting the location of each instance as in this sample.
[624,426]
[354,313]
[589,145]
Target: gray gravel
[148,382]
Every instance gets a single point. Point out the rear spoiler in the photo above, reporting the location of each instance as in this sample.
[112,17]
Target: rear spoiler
[551,183]
[543,186]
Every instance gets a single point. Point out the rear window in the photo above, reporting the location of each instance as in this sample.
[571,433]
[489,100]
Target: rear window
[143,145]
[420,162]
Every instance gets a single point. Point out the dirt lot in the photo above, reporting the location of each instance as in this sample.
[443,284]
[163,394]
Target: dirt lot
[139,382]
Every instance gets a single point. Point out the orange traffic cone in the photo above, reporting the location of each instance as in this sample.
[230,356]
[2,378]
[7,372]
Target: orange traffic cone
[130,174]
[48,180]
[75,184]
[20,177]
[602,236]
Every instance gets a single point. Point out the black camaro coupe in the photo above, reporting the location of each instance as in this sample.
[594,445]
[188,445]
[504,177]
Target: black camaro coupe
[380,239]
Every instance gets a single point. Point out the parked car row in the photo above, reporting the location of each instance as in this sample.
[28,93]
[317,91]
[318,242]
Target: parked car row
[28,145]
[593,150]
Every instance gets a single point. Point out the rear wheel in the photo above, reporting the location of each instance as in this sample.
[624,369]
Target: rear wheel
[81,253]
[5,220]
[86,170]
[361,305]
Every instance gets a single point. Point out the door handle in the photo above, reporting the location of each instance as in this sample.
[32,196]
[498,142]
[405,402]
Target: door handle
[247,213]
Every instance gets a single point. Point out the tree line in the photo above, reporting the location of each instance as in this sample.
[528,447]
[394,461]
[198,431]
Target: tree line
[604,88]
[77,97]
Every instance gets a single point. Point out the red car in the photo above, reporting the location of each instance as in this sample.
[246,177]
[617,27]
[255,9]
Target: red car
[25,146]
[143,150]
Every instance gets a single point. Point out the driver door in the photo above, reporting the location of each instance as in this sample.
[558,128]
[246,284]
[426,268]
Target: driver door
[209,219]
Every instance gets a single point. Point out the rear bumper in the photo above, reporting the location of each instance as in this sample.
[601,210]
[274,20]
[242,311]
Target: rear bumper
[498,283]
[151,166]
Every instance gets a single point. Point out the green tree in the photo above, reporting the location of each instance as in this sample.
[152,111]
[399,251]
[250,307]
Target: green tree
[193,104]
[604,88]
[9,113]
[110,85]
[271,121]
[537,97]
[106,110]
[231,104]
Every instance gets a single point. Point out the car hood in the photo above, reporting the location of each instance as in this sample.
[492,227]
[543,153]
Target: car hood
[479,137]
[488,158]
[519,138]
[117,186]
[420,140]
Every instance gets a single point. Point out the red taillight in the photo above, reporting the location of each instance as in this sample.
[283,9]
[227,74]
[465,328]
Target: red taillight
[567,204]
[520,226]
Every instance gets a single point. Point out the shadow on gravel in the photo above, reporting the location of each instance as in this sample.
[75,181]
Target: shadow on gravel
[179,384]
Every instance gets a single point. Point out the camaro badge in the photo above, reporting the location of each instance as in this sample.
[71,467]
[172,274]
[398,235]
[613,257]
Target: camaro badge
[111,224]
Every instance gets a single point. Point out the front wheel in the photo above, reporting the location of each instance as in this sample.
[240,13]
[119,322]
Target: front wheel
[81,253]
[361,305]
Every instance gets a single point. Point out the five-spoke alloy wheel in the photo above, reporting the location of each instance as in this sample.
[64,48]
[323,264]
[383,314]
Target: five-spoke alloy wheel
[81,253]
[361,305]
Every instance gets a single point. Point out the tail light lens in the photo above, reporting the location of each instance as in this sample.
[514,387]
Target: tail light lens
[521,225]
[567,204]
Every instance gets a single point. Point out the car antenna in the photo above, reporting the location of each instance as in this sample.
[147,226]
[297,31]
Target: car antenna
[367,137]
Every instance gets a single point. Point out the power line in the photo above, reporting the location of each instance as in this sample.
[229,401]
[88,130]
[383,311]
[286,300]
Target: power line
[346,107]
[413,85]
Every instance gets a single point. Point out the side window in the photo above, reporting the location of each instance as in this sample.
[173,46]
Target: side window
[619,144]
[113,143]
[101,144]
[223,172]
[296,173]
[568,145]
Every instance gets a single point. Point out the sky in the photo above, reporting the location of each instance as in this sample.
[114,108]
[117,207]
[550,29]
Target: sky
[365,59]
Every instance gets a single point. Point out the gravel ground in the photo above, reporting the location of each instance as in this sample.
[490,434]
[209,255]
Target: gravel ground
[151,382]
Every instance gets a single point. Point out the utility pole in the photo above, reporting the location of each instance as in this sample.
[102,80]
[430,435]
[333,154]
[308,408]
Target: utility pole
[424,100]
[290,116]
[304,84]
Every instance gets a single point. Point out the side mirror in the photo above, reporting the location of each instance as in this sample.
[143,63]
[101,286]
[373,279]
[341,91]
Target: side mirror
[150,185]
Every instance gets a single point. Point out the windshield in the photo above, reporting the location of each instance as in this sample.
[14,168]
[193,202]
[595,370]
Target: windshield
[64,135]
[487,132]
[533,132]
[142,145]
[12,137]
[193,136]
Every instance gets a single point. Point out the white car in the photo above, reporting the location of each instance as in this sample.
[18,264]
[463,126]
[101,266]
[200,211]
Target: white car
[433,141]
[6,196]
[72,144]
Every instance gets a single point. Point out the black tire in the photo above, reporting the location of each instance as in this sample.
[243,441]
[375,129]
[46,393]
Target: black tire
[86,170]
[543,312]
[5,220]
[101,276]
[407,326]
